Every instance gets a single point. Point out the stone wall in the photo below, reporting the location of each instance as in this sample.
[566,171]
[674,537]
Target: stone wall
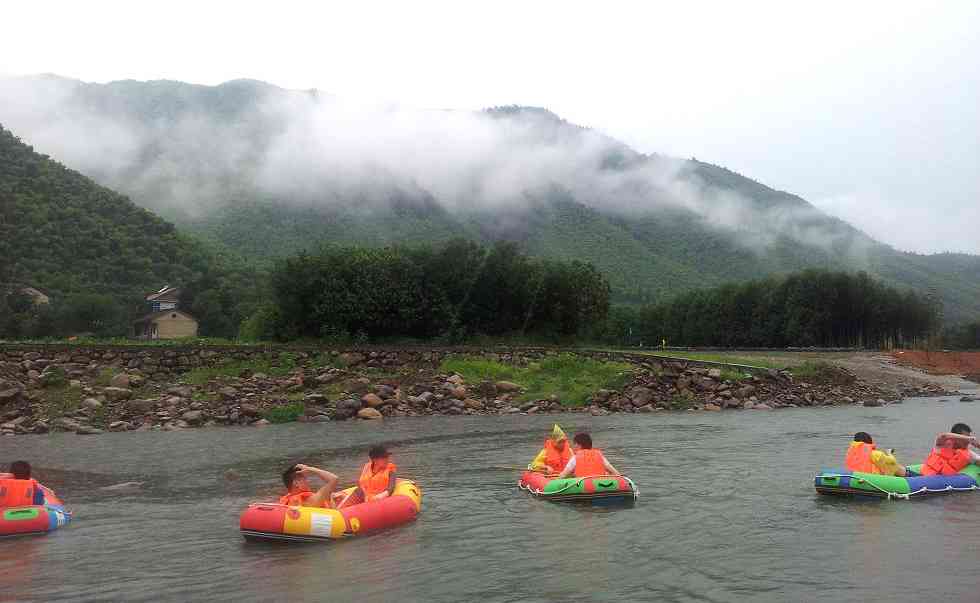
[161,362]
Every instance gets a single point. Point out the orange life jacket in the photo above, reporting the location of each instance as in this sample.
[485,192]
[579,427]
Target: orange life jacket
[372,483]
[946,461]
[555,459]
[589,462]
[295,499]
[859,458]
[19,493]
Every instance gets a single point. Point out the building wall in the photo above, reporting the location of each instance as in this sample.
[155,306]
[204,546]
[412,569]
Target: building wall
[173,325]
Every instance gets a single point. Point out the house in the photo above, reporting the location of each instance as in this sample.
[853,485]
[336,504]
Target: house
[165,320]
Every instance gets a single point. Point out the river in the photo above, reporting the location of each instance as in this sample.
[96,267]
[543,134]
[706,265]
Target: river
[727,512]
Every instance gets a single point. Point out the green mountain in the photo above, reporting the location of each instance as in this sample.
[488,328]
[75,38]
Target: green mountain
[267,172]
[70,237]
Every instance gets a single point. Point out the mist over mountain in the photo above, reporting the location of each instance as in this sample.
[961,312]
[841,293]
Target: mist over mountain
[268,172]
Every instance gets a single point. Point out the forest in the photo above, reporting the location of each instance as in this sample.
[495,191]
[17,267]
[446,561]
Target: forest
[809,308]
[451,292]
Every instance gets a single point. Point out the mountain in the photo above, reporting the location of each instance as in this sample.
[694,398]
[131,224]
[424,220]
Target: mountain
[63,233]
[267,172]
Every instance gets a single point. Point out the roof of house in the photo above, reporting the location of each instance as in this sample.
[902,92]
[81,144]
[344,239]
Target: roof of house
[166,292]
[155,315]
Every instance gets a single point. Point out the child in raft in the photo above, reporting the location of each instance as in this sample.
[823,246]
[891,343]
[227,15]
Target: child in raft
[377,479]
[20,488]
[864,456]
[555,454]
[951,452]
[587,461]
[298,491]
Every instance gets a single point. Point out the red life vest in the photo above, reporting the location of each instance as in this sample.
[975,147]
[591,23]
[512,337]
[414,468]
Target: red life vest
[18,492]
[589,462]
[859,458]
[946,461]
[372,483]
[555,459]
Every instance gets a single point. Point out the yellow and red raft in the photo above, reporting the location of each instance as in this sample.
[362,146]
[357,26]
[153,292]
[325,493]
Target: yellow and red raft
[272,521]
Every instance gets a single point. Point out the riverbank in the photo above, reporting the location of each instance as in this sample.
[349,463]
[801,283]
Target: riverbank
[93,390]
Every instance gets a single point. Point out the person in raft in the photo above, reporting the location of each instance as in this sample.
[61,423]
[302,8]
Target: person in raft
[864,456]
[20,489]
[377,479]
[555,454]
[951,453]
[587,461]
[298,491]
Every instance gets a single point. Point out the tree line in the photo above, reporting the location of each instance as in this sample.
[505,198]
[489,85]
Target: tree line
[809,308]
[454,292]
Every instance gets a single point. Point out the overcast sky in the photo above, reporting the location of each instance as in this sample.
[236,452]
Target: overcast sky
[869,110]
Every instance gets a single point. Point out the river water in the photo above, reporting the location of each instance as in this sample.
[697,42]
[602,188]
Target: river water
[727,512]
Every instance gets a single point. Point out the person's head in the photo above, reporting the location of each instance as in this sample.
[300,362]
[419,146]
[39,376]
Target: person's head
[558,437]
[863,436]
[379,456]
[583,441]
[294,480]
[21,469]
[961,429]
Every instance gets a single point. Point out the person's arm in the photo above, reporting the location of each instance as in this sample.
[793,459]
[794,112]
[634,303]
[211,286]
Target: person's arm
[539,461]
[568,468]
[392,480]
[943,438]
[322,495]
[608,466]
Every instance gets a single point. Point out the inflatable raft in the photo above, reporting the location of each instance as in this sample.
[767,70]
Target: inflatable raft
[27,507]
[841,481]
[272,521]
[600,489]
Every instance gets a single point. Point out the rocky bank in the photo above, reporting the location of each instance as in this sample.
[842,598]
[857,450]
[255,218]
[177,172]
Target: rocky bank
[92,390]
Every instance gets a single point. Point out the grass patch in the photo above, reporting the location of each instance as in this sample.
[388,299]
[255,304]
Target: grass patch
[816,371]
[274,366]
[60,401]
[572,378]
[284,414]
[728,374]
[760,361]
[682,401]
[104,378]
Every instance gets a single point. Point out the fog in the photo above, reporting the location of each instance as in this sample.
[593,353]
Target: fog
[191,149]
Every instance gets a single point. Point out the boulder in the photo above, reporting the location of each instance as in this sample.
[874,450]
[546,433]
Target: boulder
[602,395]
[369,414]
[120,426]
[140,406]
[473,404]
[386,392]
[641,396]
[194,417]
[11,395]
[712,407]
[228,393]
[969,399]
[345,409]
[714,373]
[248,410]
[261,423]
[181,391]
[372,400]
[507,386]
[91,404]
[874,403]
[761,406]
[120,380]
[87,430]
[351,358]
[114,394]
[66,424]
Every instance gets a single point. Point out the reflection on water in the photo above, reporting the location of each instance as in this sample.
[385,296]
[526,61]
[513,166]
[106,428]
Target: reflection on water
[727,513]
